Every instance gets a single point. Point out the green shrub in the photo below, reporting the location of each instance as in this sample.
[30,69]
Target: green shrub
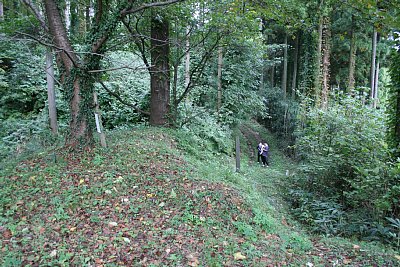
[346,183]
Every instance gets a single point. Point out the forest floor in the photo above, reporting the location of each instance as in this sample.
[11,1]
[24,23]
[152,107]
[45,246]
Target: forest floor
[150,199]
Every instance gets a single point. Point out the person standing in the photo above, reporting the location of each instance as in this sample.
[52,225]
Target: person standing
[264,154]
[259,149]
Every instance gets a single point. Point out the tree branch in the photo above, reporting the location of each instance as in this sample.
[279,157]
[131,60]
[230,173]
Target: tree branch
[149,5]
[123,101]
[140,43]
[49,45]
[200,67]
[37,14]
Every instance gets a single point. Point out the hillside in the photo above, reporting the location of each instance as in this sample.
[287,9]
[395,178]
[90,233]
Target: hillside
[155,197]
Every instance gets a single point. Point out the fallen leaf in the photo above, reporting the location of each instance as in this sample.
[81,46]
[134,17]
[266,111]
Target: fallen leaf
[81,181]
[112,224]
[53,253]
[7,234]
[238,256]
[347,261]
[193,261]
[397,257]
[127,240]
[173,194]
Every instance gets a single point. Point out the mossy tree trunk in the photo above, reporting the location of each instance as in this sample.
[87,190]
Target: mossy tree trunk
[79,127]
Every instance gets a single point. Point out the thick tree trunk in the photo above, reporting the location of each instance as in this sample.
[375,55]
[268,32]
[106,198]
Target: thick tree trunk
[373,63]
[325,63]
[352,58]
[160,72]
[285,67]
[219,81]
[51,92]
[79,129]
[295,63]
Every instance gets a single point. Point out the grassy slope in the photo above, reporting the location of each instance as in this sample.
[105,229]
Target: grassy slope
[151,199]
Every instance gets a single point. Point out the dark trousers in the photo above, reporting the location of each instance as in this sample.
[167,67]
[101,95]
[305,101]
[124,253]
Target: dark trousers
[264,160]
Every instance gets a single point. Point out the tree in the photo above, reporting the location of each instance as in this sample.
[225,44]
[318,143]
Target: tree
[219,78]
[393,109]
[1,11]
[159,70]
[352,56]
[295,63]
[373,64]
[51,98]
[78,76]
[285,65]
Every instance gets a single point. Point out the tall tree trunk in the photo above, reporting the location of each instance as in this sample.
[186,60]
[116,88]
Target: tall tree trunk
[174,112]
[352,58]
[373,63]
[219,81]
[325,63]
[376,91]
[79,128]
[317,73]
[67,14]
[187,57]
[393,106]
[74,18]
[1,11]
[87,17]
[272,76]
[51,92]
[295,63]
[285,66]
[160,72]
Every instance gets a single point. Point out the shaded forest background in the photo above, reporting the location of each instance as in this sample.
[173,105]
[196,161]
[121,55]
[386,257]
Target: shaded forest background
[324,76]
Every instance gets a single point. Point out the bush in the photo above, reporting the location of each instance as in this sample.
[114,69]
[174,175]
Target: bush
[345,170]
[206,133]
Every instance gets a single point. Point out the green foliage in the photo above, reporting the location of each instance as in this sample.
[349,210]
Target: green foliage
[206,133]
[24,136]
[282,115]
[240,83]
[345,167]
[133,88]
[22,84]
[393,135]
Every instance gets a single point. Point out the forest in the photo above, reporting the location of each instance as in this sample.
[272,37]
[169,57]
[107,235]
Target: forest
[119,121]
